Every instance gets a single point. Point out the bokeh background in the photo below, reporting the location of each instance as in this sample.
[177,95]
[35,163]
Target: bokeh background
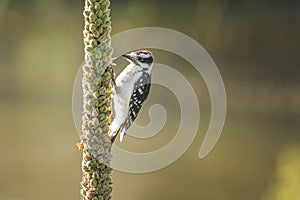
[255,44]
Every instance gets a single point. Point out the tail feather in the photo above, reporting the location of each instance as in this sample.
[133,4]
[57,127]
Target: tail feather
[118,127]
[113,133]
[122,134]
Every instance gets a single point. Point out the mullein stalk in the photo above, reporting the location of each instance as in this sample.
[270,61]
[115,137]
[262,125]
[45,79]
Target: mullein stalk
[97,75]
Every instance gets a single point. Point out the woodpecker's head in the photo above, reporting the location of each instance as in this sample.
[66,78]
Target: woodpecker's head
[141,58]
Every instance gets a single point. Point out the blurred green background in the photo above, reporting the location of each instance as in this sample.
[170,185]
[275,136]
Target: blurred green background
[255,44]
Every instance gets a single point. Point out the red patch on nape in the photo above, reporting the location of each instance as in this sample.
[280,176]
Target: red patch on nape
[145,51]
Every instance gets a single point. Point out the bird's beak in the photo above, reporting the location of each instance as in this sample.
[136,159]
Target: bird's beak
[128,57]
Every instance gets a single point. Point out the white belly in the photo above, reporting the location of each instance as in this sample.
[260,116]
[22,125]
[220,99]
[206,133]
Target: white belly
[121,96]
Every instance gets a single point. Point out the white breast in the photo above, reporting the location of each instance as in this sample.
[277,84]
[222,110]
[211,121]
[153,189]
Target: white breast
[125,81]
[121,97]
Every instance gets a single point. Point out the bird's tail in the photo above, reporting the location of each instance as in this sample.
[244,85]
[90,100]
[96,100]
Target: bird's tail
[114,132]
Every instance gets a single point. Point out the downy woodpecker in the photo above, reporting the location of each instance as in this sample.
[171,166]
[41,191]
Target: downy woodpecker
[131,89]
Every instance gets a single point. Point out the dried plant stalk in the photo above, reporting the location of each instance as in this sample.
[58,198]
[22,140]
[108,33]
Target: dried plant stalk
[96,83]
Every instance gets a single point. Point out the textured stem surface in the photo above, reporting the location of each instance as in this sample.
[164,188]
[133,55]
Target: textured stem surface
[96,83]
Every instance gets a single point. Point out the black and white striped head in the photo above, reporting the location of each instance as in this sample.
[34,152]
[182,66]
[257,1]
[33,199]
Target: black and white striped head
[141,58]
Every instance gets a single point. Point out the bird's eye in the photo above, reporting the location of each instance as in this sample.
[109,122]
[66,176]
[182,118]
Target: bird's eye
[141,60]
